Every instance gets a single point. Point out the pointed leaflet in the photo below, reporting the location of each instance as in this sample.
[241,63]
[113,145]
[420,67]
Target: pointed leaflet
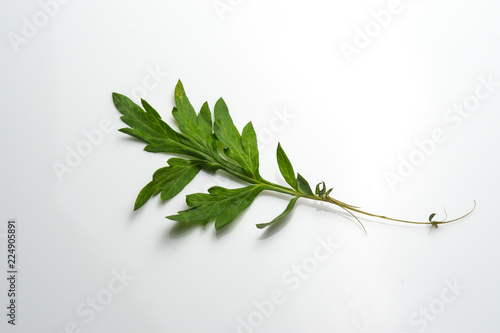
[303,185]
[144,125]
[249,142]
[150,128]
[149,109]
[199,127]
[184,113]
[242,152]
[205,121]
[287,211]
[286,168]
[169,180]
[220,203]
[206,131]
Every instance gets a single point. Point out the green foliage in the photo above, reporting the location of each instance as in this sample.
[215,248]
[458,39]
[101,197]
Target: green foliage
[220,203]
[198,140]
[287,211]
[286,167]
[303,185]
[240,148]
[169,180]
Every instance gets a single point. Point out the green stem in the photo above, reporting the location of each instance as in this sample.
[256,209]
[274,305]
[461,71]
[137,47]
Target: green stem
[238,173]
[357,210]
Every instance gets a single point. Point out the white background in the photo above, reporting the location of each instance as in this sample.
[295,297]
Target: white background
[351,119]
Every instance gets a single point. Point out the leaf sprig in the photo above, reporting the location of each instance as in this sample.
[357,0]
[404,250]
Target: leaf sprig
[214,145]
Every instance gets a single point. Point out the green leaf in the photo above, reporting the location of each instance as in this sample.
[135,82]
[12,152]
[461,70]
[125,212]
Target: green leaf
[145,125]
[228,135]
[220,204]
[169,180]
[148,126]
[185,115]
[287,211]
[205,121]
[249,142]
[150,110]
[286,167]
[303,185]
[431,217]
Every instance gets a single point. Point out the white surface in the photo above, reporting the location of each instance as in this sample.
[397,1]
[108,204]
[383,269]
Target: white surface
[351,122]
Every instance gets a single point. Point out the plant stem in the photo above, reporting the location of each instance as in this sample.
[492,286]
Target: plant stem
[270,186]
[357,210]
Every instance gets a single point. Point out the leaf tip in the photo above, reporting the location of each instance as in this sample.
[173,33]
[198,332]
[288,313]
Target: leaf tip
[179,89]
[116,98]
[172,217]
[138,203]
[221,102]
[431,217]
